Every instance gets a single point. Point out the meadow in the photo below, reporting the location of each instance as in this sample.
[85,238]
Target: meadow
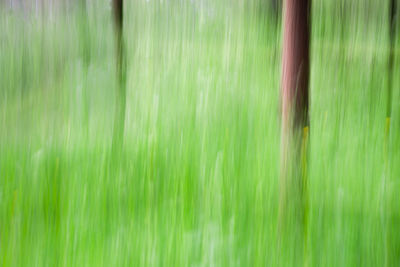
[197,180]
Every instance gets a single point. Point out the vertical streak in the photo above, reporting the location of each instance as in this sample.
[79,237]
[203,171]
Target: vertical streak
[295,120]
[120,103]
[392,35]
[296,61]
[390,223]
[85,38]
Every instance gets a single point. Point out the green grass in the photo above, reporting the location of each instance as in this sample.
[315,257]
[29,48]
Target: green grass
[197,182]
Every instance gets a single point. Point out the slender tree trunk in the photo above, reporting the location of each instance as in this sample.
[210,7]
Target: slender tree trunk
[295,119]
[392,246]
[120,103]
[392,36]
[296,62]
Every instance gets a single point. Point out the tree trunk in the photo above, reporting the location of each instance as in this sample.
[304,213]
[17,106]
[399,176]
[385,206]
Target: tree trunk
[295,119]
[120,103]
[392,36]
[392,246]
[296,62]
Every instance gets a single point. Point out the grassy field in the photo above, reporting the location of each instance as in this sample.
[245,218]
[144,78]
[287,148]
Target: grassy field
[197,181]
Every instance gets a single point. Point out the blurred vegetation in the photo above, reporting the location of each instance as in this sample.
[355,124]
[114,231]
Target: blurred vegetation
[197,183]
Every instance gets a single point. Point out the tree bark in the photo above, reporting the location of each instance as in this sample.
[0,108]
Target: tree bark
[296,62]
[295,118]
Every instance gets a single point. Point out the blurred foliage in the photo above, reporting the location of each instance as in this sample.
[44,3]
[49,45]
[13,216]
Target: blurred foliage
[197,183]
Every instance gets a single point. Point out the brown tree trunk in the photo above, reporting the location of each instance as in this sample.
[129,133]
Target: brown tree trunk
[120,103]
[296,62]
[295,119]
